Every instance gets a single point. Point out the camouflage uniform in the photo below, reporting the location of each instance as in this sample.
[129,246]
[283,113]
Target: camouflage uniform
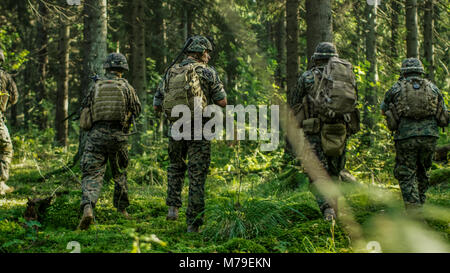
[8,95]
[332,164]
[108,141]
[415,142]
[197,151]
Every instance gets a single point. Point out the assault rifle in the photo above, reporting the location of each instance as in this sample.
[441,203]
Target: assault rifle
[95,78]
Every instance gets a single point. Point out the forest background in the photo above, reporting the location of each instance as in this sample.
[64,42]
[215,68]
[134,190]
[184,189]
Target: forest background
[260,48]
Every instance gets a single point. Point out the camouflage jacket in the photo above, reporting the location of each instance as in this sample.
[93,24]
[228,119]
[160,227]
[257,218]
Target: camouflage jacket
[212,87]
[8,90]
[132,100]
[410,127]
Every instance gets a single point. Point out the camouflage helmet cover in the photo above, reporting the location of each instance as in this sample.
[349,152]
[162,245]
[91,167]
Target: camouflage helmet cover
[199,44]
[325,50]
[412,65]
[116,60]
[2,56]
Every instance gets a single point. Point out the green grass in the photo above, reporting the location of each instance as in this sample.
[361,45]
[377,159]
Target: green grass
[270,210]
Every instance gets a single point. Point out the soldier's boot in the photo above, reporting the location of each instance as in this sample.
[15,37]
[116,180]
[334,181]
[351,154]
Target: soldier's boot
[4,189]
[124,213]
[192,229]
[329,214]
[172,214]
[87,218]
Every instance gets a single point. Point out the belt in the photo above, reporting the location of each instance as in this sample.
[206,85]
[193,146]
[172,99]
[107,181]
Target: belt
[109,125]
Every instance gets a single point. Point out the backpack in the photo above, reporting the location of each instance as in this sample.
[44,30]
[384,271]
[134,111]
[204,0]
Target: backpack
[334,94]
[182,86]
[4,95]
[416,100]
[109,101]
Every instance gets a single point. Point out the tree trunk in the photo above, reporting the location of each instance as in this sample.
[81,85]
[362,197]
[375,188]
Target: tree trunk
[412,41]
[95,30]
[42,44]
[292,7]
[138,55]
[319,24]
[356,43]
[428,39]
[372,75]
[280,44]
[62,96]
[395,10]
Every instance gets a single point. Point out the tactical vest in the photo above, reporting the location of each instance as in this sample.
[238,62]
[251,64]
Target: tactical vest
[416,100]
[182,86]
[109,102]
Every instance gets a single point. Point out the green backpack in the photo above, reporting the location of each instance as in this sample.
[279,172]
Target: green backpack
[182,86]
[416,100]
[335,92]
[334,95]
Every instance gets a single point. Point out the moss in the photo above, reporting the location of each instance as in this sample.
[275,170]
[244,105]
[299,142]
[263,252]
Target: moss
[301,212]
[315,236]
[64,212]
[239,245]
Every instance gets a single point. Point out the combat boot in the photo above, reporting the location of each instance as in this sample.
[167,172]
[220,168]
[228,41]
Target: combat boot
[4,189]
[192,229]
[88,217]
[172,214]
[329,214]
[124,213]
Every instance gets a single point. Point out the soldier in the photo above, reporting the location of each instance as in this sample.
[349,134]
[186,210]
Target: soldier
[324,104]
[8,95]
[112,104]
[210,88]
[414,109]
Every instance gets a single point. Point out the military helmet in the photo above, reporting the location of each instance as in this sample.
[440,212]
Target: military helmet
[2,56]
[199,44]
[116,60]
[412,65]
[325,50]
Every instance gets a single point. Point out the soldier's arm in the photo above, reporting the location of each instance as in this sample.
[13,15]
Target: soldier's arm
[388,98]
[86,99]
[13,92]
[294,97]
[211,78]
[134,103]
[159,96]
[440,96]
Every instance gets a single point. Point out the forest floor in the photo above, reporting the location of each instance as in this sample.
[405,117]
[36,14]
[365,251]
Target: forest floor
[254,203]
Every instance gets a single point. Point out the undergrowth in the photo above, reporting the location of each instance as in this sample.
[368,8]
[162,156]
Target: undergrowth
[255,203]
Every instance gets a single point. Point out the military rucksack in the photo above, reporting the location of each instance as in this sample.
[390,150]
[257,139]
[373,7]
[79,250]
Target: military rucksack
[4,95]
[416,100]
[109,101]
[334,93]
[182,86]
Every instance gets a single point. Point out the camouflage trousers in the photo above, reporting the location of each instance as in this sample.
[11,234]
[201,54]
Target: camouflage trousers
[6,151]
[413,161]
[333,165]
[105,143]
[198,152]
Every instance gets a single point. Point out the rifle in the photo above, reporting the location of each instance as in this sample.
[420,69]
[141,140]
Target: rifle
[188,42]
[95,78]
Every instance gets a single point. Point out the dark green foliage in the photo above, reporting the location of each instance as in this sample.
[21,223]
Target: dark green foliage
[440,176]
[240,245]
[229,219]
